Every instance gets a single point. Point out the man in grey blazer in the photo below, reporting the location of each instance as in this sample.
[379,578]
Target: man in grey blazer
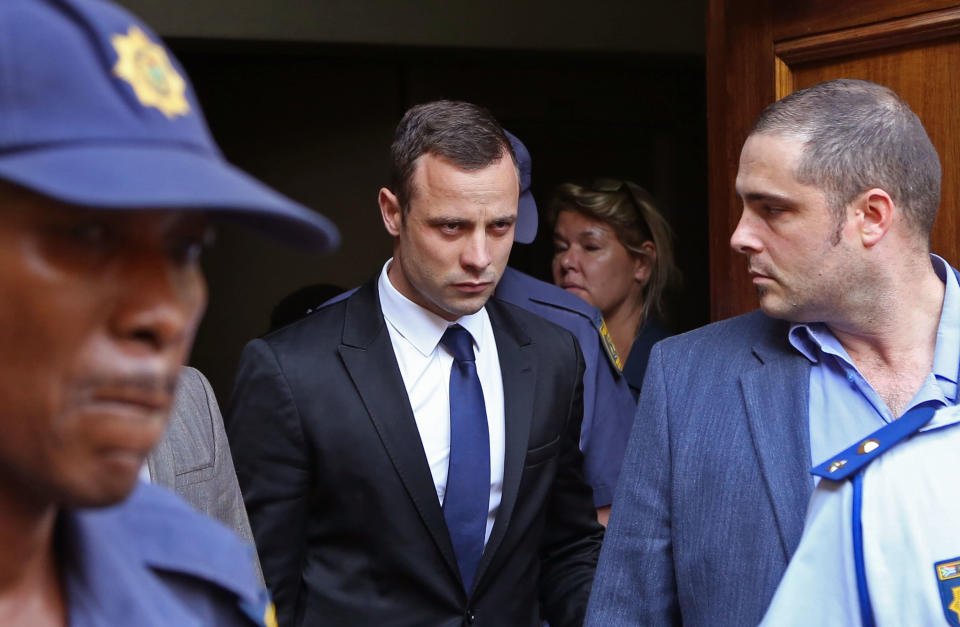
[193,458]
[858,323]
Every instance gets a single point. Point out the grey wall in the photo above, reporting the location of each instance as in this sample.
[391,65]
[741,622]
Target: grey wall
[610,25]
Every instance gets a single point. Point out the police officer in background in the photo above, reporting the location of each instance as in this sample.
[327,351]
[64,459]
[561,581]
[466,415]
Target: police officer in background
[608,405]
[108,176]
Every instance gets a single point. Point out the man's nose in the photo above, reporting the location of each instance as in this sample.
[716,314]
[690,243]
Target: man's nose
[744,239]
[159,301]
[476,255]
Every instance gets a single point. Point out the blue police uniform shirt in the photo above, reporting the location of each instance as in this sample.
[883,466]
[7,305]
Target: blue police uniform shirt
[843,407]
[908,548]
[153,560]
[608,405]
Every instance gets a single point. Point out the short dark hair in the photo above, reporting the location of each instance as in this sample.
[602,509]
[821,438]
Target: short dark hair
[859,135]
[465,134]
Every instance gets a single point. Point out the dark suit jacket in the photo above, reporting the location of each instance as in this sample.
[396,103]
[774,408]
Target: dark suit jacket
[715,484]
[341,500]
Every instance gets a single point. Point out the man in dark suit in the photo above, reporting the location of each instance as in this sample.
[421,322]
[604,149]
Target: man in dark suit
[858,324]
[368,503]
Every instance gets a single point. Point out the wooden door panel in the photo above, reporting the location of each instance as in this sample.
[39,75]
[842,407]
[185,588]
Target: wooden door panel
[797,19]
[915,55]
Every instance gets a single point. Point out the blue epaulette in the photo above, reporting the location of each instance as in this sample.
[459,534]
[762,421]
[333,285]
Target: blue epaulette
[851,460]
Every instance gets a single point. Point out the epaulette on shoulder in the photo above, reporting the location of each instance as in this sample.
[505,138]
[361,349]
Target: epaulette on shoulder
[850,461]
[262,612]
[608,346]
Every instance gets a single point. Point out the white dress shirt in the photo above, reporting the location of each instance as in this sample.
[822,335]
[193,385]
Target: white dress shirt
[425,367]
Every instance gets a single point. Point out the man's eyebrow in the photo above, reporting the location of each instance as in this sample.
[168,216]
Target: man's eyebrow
[765,197]
[440,220]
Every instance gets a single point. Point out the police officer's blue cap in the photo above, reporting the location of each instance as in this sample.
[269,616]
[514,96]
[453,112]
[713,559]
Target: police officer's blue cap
[94,111]
[526,227]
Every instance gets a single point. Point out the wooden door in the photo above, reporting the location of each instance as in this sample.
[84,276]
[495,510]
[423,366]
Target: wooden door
[761,50]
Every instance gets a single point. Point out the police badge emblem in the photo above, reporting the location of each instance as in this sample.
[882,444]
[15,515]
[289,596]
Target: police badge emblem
[948,580]
[146,66]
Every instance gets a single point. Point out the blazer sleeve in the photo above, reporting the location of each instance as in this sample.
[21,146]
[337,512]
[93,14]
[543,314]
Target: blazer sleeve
[272,463]
[635,582]
[572,535]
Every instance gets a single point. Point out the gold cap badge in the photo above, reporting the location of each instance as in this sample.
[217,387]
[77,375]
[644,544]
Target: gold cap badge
[146,66]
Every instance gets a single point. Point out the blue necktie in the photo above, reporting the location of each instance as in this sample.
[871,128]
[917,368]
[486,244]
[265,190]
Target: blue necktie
[467,498]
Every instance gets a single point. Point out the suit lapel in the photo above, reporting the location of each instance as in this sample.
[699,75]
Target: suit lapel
[776,396]
[160,461]
[368,356]
[519,377]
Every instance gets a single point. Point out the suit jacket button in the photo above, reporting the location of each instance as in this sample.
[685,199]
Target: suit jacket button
[469,617]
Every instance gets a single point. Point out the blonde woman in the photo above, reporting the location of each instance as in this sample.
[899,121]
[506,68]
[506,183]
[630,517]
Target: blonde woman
[613,249]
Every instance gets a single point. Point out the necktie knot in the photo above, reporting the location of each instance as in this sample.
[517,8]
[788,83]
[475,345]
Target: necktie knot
[459,342]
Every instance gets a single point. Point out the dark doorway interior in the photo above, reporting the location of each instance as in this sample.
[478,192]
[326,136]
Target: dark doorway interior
[315,121]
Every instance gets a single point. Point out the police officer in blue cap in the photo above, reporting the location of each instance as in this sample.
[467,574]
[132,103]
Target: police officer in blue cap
[108,180]
[608,405]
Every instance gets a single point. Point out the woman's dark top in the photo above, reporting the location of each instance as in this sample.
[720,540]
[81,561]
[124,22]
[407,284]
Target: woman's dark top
[650,333]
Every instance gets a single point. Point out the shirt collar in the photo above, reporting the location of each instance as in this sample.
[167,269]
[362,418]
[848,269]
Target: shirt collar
[943,417]
[946,358]
[811,339]
[422,328]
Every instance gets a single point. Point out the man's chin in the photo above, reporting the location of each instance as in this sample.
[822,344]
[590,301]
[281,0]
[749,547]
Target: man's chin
[772,306]
[782,310]
[459,307]
[99,491]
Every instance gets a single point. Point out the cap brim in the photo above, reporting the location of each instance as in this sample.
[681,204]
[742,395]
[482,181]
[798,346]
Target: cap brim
[525,230]
[165,177]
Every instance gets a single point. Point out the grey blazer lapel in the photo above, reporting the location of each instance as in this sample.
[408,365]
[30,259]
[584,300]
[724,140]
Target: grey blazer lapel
[519,377]
[368,356]
[161,463]
[776,396]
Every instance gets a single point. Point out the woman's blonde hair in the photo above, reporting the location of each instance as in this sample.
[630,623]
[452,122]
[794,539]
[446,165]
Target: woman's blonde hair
[632,213]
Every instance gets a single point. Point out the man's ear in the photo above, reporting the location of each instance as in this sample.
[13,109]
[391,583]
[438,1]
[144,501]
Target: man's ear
[874,211]
[390,211]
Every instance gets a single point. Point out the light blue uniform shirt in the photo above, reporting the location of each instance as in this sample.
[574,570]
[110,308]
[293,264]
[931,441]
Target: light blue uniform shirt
[843,407]
[909,548]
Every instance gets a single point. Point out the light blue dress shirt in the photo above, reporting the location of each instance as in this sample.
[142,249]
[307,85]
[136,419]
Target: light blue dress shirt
[843,407]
